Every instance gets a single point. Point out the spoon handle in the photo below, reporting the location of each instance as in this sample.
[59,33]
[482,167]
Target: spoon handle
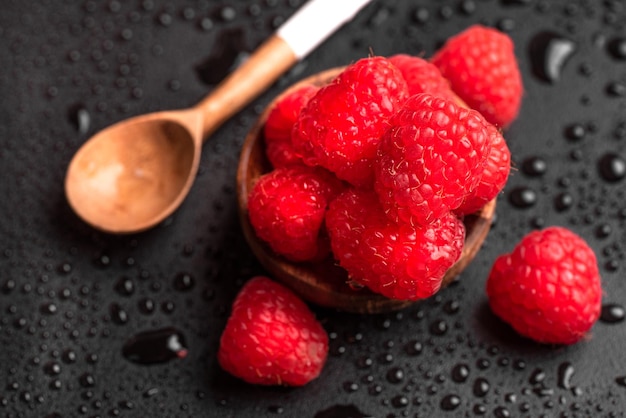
[299,35]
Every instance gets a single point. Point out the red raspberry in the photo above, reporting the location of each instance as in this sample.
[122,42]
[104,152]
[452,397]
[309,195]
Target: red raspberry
[548,288]
[481,65]
[279,124]
[286,209]
[422,76]
[341,126]
[494,176]
[430,159]
[272,337]
[399,261]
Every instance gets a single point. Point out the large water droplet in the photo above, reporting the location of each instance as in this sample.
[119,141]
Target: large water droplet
[156,346]
[342,411]
[548,54]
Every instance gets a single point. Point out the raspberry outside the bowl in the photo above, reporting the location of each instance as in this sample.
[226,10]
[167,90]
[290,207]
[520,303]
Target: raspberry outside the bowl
[548,288]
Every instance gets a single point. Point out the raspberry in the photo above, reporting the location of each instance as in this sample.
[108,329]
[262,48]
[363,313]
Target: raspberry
[548,288]
[482,68]
[494,176]
[272,337]
[422,76]
[399,261]
[430,159]
[279,123]
[341,126]
[286,209]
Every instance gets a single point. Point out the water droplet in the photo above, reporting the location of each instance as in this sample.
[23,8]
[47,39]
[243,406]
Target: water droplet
[229,52]
[617,48]
[342,411]
[125,286]
[563,201]
[450,402]
[53,368]
[537,376]
[155,346]
[146,306]
[79,117]
[612,167]
[548,54]
[616,89]
[575,132]
[534,166]
[413,348]
[501,412]
[87,380]
[565,373]
[48,308]
[184,282]
[612,313]
[395,375]
[438,327]
[481,387]
[523,197]
[118,314]
[460,373]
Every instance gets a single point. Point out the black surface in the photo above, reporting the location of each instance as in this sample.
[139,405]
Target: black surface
[71,297]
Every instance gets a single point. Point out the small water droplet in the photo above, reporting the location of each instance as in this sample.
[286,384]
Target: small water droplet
[125,286]
[534,166]
[565,373]
[617,48]
[184,282]
[481,387]
[523,197]
[460,372]
[450,402]
[87,380]
[79,117]
[612,313]
[395,375]
[612,167]
[438,327]
[118,314]
[537,376]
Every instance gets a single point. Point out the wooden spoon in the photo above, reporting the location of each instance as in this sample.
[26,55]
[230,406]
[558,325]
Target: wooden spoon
[325,283]
[134,174]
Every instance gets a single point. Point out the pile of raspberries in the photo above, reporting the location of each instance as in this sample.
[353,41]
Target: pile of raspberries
[378,167]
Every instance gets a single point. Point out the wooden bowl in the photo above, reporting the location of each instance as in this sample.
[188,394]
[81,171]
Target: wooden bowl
[325,283]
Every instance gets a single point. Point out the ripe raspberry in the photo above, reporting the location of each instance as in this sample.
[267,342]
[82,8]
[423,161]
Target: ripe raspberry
[399,261]
[341,126]
[422,76]
[494,176]
[279,123]
[286,209]
[272,337]
[430,159]
[548,288]
[481,65]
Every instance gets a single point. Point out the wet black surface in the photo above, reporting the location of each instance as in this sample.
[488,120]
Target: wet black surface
[71,297]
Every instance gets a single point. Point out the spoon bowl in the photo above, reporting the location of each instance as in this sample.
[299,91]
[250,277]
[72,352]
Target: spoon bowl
[325,283]
[134,174]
